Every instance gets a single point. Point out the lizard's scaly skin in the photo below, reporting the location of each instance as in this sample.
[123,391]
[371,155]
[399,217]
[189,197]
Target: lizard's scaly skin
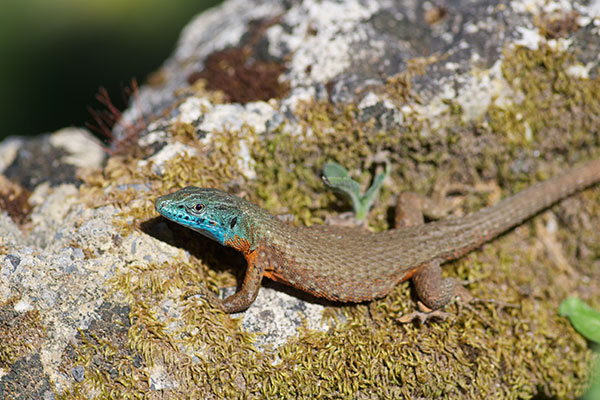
[345,264]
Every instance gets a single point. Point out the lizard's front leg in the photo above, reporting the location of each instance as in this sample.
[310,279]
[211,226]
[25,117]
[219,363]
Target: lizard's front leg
[244,297]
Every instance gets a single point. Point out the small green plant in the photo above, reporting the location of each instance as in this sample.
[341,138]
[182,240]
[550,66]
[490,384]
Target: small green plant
[586,321]
[337,178]
[584,318]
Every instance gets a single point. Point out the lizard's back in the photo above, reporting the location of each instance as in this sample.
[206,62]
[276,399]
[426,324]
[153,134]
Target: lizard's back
[351,265]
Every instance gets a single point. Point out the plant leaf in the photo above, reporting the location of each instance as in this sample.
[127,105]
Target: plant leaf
[584,318]
[369,197]
[337,178]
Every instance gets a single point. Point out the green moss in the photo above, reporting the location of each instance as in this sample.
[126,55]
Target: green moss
[111,369]
[288,165]
[554,102]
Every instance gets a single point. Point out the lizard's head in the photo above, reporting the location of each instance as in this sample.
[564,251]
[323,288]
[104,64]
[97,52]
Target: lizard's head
[216,214]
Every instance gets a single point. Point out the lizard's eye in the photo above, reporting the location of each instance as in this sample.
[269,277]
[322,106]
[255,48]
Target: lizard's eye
[199,207]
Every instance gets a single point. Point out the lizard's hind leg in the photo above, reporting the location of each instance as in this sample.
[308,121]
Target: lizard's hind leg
[432,290]
[412,208]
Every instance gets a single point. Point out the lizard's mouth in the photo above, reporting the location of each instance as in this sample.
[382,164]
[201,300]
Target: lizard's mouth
[159,204]
[169,211]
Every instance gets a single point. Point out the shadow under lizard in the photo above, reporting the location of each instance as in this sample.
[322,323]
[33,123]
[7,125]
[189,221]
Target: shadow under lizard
[350,265]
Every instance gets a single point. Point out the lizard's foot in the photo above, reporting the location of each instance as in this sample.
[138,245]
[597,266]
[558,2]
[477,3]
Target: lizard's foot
[207,297]
[423,315]
[460,295]
[434,293]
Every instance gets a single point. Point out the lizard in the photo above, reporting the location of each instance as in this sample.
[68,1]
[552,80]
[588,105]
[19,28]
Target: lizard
[349,264]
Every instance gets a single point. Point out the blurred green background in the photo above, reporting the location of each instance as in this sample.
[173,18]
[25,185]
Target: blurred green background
[55,54]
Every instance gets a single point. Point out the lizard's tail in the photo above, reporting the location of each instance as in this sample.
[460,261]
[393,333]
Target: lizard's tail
[538,197]
[483,225]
